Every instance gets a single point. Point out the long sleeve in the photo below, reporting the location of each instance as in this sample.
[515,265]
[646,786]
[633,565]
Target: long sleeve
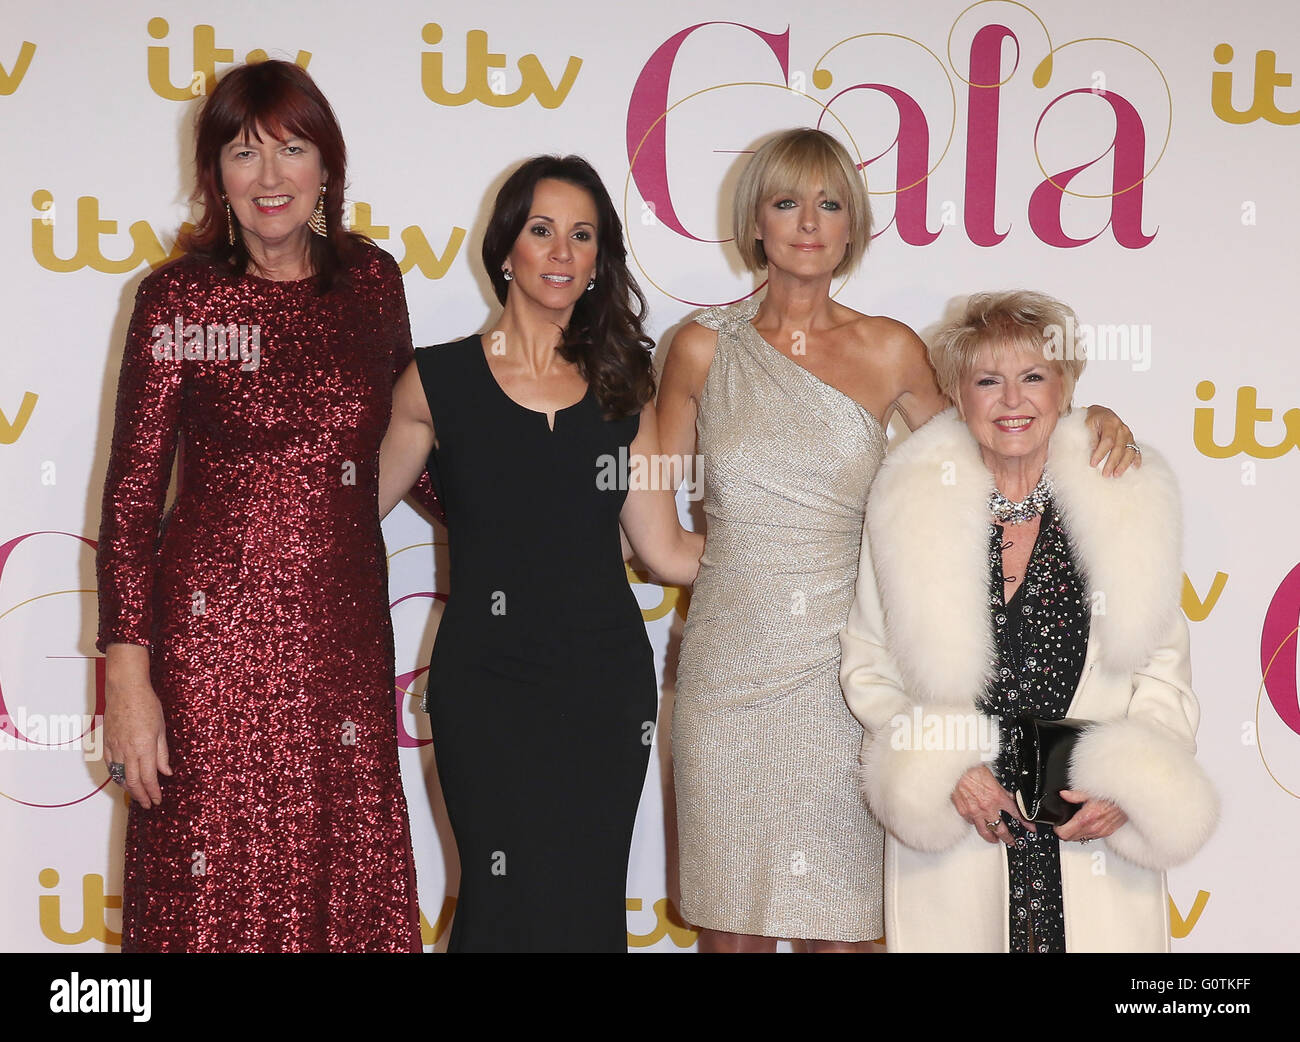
[1145,762]
[910,760]
[149,393]
[873,687]
[403,354]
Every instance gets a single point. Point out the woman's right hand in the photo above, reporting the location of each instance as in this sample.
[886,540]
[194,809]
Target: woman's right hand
[981,800]
[134,731]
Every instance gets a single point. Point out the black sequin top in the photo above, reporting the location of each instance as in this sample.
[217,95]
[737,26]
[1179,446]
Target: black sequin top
[1041,638]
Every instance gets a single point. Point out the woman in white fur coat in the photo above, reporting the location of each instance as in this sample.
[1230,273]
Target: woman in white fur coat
[1011,578]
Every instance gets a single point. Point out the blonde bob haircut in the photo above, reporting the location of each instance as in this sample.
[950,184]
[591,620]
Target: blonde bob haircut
[790,162]
[1019,320]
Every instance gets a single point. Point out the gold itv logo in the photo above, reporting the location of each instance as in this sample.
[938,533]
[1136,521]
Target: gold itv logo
[9,81]
[205,56]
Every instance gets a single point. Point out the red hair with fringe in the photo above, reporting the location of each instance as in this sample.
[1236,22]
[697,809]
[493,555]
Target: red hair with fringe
[280,99]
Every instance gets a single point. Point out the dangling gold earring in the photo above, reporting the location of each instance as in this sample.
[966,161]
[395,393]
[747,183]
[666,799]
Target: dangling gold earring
[316,222]
[230,222]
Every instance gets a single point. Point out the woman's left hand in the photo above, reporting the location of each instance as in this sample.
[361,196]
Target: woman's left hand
[1096,819]
[1114,442]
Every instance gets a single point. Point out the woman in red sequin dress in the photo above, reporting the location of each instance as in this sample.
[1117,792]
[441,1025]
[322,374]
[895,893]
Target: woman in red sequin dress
[247,631]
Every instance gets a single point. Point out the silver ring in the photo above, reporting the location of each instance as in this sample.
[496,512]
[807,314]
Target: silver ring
[992,826]
[117,771]
[1134,446]
[1084,839]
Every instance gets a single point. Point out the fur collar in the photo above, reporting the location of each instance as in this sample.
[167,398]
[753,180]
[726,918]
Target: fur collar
[928,529]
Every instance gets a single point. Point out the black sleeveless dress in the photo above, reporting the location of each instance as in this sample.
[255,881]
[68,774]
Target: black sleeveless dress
[542,691]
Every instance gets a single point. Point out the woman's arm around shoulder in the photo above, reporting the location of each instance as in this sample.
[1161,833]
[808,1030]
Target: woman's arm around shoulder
[915,394]
[904,367]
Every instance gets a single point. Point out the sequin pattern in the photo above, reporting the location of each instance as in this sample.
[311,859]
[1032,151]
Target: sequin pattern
[263,597]
[1042,638]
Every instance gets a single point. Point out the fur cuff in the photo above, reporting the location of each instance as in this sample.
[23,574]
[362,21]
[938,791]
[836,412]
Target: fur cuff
[911,766]
[1154,777]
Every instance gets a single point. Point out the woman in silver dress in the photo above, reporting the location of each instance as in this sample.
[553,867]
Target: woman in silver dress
[788,398]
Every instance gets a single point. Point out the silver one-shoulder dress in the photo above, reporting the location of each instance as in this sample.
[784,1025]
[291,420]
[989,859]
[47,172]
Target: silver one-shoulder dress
[775,839]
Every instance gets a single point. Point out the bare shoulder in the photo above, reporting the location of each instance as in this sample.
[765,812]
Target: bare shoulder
[886,337]
[895,366]
[690,354]
[694,345]
[883,345]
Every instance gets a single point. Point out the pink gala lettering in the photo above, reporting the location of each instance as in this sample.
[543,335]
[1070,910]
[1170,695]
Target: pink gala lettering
[7,724]
[1129,148]
[647,147]
[402,687]
[913,143]
[647,129]
[1277,649]
[983,109]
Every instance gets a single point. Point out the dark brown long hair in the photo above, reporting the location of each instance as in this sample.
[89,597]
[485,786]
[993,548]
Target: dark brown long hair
[280,99]
[604,338]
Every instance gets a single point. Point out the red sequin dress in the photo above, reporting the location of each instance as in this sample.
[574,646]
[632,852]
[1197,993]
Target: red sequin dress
[263,597]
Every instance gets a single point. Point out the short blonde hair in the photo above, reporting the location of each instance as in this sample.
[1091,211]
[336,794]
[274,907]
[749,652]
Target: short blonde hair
[786,163]
[1016,319]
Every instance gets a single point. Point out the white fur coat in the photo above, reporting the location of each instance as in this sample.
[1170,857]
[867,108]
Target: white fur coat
[919,645]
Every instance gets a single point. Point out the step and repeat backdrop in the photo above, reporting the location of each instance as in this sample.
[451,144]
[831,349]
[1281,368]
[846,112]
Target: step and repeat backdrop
[1134,159]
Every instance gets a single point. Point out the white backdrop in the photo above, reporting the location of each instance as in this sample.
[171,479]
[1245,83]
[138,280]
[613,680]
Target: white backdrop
[1174,240]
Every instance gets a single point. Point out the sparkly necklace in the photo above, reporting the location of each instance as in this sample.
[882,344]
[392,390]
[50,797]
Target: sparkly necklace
[1027,509]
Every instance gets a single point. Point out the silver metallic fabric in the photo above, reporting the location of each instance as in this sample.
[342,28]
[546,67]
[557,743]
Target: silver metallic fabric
[775,839]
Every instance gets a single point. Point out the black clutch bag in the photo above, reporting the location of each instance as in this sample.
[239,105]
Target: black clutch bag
[1042,750]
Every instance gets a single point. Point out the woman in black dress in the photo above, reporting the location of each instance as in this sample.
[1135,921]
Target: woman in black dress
[540,435]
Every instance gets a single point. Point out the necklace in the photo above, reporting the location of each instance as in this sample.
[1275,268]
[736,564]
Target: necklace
[1027,509]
